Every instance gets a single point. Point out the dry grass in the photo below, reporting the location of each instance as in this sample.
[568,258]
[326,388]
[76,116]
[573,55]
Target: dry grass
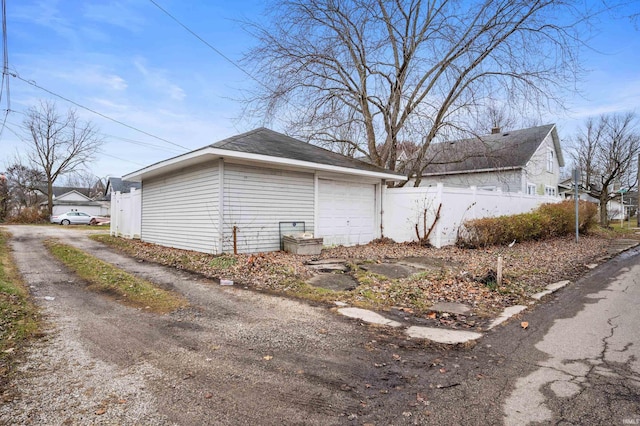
[19,317]
[457,274]
[106,278]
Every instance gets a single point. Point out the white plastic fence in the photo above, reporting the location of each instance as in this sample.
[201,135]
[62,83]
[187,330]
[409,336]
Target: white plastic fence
[404,208]
[126,214]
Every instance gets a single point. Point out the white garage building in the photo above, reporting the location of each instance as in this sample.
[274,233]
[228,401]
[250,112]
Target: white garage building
[260,184]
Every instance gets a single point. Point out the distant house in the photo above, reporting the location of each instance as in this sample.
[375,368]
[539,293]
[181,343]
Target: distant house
[116,184]
[615,208]
[249,189]
[75,199]
[526,160]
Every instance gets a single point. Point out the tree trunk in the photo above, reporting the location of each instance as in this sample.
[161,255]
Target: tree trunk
[50,197]
[604,217]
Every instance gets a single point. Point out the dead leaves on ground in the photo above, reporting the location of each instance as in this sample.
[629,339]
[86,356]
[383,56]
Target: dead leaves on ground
[528,267]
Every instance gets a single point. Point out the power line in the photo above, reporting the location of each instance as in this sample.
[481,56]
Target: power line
[122,159]
[126,140]
[225,57]
[206,43]
[34,84]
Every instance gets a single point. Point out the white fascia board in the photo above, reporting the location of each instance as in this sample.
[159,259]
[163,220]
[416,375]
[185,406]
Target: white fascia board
[461,172]
[205,154]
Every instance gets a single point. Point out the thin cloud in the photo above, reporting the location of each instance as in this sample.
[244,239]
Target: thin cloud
[156,79]
[115,13]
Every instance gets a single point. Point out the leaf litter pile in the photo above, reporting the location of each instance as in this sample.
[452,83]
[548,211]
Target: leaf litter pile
[452,274]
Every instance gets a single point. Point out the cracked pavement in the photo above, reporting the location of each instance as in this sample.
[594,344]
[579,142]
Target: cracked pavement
[592,371]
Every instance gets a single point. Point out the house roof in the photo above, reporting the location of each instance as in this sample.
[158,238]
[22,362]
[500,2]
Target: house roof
[115,184]
[62,190]
[269,147]
[504,150]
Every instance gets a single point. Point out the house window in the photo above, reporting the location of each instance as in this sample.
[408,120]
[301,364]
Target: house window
[550,160]
[531,189]
[550,191]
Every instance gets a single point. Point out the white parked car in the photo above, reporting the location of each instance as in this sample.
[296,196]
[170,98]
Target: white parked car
[72,218]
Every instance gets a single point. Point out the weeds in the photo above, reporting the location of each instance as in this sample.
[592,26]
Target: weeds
[223,262]
[106,278]
[19,317]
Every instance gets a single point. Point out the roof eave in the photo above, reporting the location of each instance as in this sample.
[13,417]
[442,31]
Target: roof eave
[458,172]
[557,145]
[207,153]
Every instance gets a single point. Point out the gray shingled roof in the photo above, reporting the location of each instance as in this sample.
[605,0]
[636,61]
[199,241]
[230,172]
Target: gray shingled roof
[117,184]
[510,149]
[263,141]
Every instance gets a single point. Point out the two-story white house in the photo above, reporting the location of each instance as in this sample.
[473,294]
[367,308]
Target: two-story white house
[526,160]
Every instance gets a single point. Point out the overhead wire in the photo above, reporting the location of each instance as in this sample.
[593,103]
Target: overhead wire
[127,140]
[222,55]
[36,85]
[209,45]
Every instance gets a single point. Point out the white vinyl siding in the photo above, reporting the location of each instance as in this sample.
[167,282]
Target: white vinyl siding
[181,209]
[256,199]
[346,212]
[506,180]
[550,190]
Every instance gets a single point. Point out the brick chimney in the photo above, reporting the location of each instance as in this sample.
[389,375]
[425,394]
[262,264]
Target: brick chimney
[495,130]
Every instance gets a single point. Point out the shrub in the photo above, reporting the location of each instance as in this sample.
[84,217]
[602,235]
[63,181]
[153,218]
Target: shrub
[549,220]
[29,215]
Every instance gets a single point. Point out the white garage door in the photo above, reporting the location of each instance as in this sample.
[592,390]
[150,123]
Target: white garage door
[346,212]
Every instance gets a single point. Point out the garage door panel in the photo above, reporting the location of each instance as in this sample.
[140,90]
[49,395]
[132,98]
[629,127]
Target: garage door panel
[346,212]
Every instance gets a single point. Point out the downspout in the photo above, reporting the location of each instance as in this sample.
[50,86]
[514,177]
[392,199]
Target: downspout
[316,204]
[220,205]
[383,186]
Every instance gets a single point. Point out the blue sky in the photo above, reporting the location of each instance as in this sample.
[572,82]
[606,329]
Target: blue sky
[128,60]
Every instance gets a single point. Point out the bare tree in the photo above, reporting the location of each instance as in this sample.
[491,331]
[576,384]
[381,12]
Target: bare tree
[373,73]
[4,197]
[23,184]
[606,150]
[92,184]
[58,144]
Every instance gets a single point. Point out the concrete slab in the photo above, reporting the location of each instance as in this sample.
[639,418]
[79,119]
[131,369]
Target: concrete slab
[426,262]
[390,270]
[551,288]
[541,294]
[506,314]
[452,308]
[325,261]
[440,335]
[335,282]
[329,267]
[557,286]
[368,316]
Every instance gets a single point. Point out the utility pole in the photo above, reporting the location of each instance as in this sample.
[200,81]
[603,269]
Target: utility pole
[576,195]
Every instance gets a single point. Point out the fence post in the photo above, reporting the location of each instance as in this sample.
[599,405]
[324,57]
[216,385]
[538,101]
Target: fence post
[112,214]
[132,213]
[438,228]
